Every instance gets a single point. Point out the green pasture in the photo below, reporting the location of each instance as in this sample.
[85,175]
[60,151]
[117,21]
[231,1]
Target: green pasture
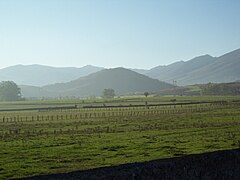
[125,100]
[36,142]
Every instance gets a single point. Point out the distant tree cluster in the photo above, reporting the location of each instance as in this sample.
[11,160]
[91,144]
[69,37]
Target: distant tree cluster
[108,93]
[221,89]
[146,94]
[9,91]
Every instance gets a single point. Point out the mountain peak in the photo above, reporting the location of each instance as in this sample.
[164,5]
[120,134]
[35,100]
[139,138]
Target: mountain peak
[122,80]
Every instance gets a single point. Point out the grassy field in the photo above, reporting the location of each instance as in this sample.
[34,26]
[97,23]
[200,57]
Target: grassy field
[42,142]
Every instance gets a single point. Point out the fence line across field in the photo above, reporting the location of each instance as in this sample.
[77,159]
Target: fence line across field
[111,112]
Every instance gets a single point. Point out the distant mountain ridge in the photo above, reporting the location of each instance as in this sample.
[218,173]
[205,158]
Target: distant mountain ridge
[225,68]
[39,75]
[122,80]
[179,70]
[199,70]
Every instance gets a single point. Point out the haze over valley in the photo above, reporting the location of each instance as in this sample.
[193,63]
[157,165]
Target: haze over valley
[44,81]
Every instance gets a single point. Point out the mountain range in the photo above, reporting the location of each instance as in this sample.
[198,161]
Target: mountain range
[39,75]
[122,80]
[39,80]
[200,70]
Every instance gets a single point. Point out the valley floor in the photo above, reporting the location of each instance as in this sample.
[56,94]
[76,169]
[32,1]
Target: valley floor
[58,141]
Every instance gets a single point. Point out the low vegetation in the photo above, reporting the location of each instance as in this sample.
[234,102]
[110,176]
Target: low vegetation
[62,140]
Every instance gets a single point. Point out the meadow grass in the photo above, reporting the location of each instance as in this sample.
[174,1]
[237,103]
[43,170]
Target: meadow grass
[42,146]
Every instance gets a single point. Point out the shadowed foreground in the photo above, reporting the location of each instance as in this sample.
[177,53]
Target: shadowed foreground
[215,165]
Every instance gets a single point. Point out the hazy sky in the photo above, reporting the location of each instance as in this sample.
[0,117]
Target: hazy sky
[111,33]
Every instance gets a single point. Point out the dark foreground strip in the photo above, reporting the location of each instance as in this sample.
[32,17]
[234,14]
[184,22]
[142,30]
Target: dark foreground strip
[216,165]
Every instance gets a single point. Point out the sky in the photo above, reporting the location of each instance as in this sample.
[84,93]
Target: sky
[115,33]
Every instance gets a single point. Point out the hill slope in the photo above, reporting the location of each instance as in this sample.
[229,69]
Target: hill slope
[123,81]
[179,70]
[39,75]
[202,69]
[225,68]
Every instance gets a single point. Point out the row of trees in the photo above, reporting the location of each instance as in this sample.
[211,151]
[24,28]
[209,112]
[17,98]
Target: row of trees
[110,93]
[221,89]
